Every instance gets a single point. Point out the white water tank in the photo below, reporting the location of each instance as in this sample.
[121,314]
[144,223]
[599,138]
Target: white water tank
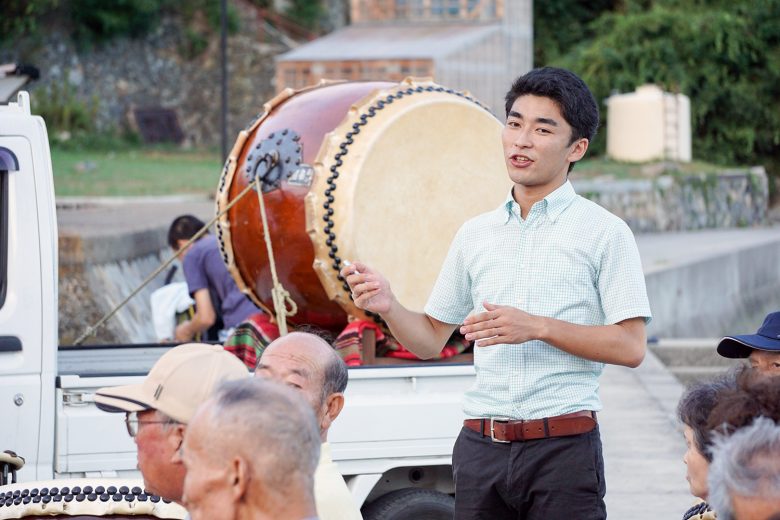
[649,125]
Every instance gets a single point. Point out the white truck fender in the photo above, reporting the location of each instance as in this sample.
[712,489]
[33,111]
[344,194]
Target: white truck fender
[361,485]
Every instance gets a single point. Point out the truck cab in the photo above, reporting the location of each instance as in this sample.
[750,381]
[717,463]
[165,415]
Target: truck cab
[28,288]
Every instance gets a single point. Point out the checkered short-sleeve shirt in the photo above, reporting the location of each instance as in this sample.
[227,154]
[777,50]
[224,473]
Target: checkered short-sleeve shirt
[569,259]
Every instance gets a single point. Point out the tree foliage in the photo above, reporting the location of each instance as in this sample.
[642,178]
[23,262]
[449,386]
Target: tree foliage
[97,20]
[308,13]
[724,56]
[94,22]
[559,25]
[20,18]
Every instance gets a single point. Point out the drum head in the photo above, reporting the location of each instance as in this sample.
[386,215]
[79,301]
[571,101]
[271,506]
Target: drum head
[411,165]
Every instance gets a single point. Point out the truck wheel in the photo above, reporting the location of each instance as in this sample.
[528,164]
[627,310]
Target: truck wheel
[405,504]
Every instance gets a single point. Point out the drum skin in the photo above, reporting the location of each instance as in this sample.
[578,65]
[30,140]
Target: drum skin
[394,170]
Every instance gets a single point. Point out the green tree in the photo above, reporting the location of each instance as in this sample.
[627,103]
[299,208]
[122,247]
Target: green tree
[559,25]
[725,57]
[306,12]
[97,21]
[19,18]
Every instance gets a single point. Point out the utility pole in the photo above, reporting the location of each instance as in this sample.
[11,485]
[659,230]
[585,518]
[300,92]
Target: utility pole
[224,79]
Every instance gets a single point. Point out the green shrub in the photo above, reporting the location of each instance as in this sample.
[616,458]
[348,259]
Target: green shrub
[306,12]
[726,59]
[20,18]
[66,115]
[98,21]
[193,43]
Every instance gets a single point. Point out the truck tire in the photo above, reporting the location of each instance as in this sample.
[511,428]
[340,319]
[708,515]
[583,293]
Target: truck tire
[411,504]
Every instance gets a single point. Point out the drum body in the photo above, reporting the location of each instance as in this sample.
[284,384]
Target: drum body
[383,173]
[85,498]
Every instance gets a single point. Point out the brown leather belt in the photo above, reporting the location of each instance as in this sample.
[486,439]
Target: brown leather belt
[505,430]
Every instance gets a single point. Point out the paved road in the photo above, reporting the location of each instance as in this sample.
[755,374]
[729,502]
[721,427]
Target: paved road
[643,446]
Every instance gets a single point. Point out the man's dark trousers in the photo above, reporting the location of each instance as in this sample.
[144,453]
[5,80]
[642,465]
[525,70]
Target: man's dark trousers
[557,478]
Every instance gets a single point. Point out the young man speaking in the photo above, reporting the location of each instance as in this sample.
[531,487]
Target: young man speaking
[550,287]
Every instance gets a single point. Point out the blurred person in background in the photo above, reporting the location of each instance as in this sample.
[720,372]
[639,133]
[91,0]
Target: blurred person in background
[761,349]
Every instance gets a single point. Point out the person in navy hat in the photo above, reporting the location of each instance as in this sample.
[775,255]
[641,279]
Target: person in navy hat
[762,348]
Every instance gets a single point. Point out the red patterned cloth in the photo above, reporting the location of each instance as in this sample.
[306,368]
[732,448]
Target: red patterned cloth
[349,344]
[250,337]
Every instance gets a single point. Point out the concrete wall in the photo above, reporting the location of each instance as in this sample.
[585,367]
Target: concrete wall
[724,294]
[97,272]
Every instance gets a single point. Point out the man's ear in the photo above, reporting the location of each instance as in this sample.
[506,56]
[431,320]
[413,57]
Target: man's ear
[333,406]
[175,440]
[579,147]
[238,477]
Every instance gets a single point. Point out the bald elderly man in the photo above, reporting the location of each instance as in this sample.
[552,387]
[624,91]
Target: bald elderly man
[309,364]
[250,453]
[158,409]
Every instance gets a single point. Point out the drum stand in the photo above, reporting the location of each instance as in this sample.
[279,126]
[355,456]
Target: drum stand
[368,344]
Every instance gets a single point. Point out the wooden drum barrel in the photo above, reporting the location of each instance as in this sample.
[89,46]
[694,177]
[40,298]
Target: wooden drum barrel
[380,172]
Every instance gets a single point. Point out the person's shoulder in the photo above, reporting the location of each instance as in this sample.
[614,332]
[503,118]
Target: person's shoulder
[487,219]
[583,204]
[586,211]
[207,241]
[205,245]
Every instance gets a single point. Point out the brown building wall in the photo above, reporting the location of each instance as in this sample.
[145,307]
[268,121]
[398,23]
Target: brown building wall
[299,74]
[426,10]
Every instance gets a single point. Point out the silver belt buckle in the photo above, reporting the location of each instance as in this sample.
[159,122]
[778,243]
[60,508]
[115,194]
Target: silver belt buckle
[493,421]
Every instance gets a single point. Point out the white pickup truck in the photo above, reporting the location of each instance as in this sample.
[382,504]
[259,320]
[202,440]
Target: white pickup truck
[393,441]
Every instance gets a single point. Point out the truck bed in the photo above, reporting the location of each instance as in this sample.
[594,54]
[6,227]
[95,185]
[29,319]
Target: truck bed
[409,411]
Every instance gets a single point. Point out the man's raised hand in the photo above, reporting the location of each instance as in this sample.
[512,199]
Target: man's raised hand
[370,290]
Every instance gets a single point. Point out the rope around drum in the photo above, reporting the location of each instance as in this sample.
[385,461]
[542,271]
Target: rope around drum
[281,297]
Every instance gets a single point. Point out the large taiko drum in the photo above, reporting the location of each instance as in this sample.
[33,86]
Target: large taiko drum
[85,499]
[384,173]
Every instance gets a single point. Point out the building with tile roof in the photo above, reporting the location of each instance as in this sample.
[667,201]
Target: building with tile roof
[474,45]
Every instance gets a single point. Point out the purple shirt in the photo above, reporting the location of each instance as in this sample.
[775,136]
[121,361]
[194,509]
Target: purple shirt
[204,269]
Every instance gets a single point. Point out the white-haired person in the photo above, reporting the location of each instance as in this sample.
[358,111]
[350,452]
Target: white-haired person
[745,472]
[251,452]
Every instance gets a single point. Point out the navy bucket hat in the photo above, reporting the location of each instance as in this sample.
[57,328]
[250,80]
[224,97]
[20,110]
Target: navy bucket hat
[766,338]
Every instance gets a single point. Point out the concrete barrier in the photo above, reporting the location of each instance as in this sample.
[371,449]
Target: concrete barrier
[729,292]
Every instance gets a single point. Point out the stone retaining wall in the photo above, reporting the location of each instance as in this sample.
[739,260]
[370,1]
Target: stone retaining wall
[725,199]
[156,71]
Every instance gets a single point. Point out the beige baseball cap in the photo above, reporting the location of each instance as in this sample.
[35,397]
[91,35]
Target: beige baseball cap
[181,380]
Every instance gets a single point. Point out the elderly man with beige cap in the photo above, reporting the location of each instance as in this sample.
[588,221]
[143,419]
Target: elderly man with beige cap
[158,410]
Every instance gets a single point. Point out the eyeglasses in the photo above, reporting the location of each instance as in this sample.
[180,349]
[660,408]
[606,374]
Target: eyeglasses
[133,423]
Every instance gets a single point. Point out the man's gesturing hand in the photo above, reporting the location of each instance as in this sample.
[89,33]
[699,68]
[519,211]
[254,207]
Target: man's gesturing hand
[370,290]
[500,324]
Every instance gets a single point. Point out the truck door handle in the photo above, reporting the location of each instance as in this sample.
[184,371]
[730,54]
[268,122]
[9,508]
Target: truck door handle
[10,344]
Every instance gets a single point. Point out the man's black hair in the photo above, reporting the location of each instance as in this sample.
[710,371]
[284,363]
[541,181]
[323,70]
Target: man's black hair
[183,228]
[568,91]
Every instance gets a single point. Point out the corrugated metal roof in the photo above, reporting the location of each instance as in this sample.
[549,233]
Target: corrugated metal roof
[377,42]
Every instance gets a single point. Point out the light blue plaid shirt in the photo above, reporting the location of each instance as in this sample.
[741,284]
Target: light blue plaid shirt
[570,259]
